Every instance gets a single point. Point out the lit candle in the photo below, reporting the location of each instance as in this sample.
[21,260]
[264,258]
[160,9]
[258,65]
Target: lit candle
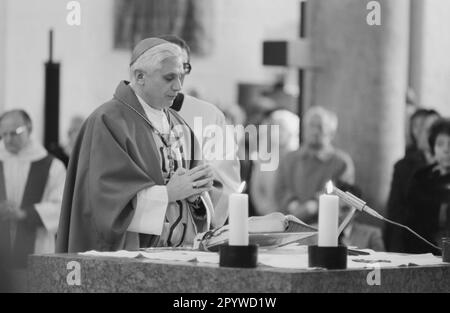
[238,218]
[328,219]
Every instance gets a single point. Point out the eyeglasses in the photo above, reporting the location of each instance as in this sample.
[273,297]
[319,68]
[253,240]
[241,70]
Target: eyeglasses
[15,132]
[187,68]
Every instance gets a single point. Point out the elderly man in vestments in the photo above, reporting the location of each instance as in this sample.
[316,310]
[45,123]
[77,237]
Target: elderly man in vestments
[217,141]
[135,177]
[31,188]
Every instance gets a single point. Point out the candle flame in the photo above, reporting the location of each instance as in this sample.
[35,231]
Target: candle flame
[241,187]
[329,187]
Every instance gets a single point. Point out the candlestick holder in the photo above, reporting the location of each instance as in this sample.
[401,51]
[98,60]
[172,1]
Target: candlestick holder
[238,256]
[332,258]
[446,249]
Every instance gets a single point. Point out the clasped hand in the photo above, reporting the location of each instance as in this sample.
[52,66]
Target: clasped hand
[188,184]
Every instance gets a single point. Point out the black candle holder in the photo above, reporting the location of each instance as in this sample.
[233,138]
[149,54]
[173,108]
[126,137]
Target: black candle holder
[446,249]
[332,258]
[238,256]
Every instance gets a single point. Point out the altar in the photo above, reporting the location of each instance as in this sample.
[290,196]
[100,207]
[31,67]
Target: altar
[135,273]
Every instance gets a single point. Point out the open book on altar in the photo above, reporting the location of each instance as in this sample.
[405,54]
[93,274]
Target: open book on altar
[268,231]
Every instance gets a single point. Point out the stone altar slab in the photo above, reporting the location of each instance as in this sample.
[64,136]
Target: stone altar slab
[54,273]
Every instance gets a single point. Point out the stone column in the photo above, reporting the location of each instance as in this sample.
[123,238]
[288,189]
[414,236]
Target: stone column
[434,72]
[363,78]
[3,20]
[416,48]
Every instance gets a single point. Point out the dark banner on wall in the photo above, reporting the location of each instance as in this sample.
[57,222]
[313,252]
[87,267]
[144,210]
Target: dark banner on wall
[189,19]
[51,110]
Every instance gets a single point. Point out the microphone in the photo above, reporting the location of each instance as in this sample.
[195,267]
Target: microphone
[354,201]
[361,205]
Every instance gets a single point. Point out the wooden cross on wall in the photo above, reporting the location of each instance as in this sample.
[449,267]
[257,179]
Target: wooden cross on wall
[296,54]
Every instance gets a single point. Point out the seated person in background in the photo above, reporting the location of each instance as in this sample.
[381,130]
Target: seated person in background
[248,150]
[429,193]
[416,123]
[261,185]
[417,156]
[136,179]
[31,188]
[357,234]
[304,173]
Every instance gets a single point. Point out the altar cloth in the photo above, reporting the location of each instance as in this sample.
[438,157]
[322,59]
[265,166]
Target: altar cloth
[289,257]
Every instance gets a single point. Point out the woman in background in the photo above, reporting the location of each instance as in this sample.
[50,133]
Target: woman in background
[417,156]
[429,193]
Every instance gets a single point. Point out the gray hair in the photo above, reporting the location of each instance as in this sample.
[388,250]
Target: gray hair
[328,117]
[290,120]
[152,59]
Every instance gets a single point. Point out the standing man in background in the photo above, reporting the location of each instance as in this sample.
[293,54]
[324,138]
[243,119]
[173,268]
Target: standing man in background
[31,189]
[225,167]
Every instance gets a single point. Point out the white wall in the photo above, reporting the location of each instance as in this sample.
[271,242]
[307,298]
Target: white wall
[3,21]
[435,91]
[89,65]
[91,68]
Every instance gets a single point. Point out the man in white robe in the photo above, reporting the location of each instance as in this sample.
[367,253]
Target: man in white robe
[217,141]
[31,188]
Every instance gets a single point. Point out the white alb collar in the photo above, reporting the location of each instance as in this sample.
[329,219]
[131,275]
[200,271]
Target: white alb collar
[32,152]
[156,116]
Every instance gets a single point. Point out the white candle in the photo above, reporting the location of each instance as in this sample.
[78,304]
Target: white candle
[328,220]
[238,219]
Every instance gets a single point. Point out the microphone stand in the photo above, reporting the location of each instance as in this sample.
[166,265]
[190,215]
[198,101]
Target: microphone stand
[358,204]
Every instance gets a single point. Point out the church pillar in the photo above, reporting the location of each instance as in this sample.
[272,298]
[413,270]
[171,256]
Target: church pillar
[3,20]
[363,78]
[416,48]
